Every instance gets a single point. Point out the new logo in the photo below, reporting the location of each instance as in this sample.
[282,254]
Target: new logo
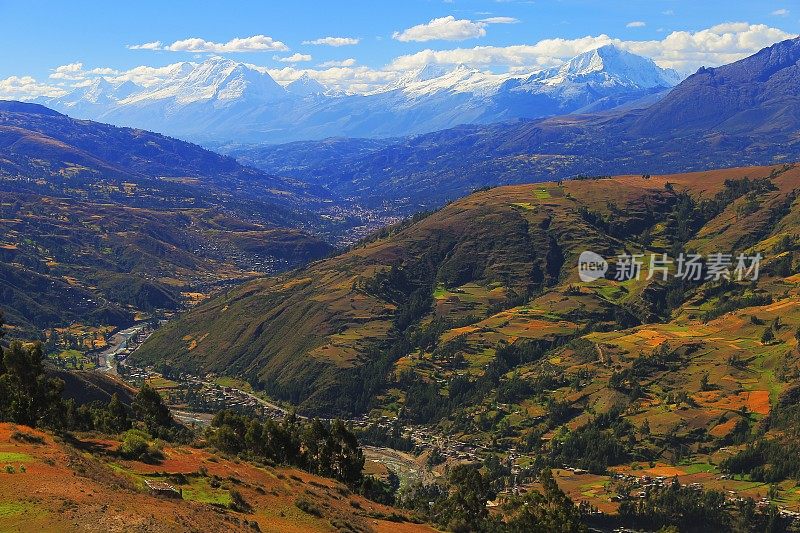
[591,266]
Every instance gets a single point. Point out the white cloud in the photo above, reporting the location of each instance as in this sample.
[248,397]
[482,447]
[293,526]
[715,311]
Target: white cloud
[104,71]
[636,24]
[349,62]
[334,41]
[450,29]
[682,50]
[255,43]
[445,28]
[545,53]
[500,20]
[71,71]
[75,72]
[668,12]
[27,88]
[147,76]
[724,43]
[780,12]
[294,58]
[155,45]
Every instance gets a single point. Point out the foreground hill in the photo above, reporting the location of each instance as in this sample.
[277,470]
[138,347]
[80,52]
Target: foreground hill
[747,112]
[99,222]
[104,493]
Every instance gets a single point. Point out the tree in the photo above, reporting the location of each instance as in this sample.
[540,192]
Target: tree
[704,384]
[465,507]
[768,337]
[347,458]
[113,418]
[329,450]
[226,440]
[543,512]
[148,406]
[27,395]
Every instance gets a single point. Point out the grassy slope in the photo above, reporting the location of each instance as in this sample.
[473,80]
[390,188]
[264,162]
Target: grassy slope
[105,493]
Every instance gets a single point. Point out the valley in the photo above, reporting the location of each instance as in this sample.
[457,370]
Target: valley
[558,291]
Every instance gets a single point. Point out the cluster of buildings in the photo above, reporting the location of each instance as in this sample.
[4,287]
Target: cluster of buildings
[196,394]
[247,262]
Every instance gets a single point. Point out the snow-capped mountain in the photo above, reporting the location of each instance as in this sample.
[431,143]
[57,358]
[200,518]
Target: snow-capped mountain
[433,79]
[608,66]
[220,100]
[216,79]
[305,85]
[602,78]
[99,95]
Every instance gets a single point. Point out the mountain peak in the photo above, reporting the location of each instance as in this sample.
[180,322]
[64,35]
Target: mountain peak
[305,85]
[429,72]
[226,80]
[610,64]
[609,50]
[101,91]
[125,89]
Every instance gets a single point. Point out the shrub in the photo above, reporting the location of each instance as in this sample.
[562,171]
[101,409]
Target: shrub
[134,444]
[28,438]
[308,507]
[238,503]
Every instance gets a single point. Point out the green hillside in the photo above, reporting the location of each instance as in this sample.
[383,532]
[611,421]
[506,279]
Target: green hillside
[442,296]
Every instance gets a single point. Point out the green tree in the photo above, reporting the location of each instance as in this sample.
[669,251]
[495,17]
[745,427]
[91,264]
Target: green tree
[544,512]
[768,337]
[464,509]
[118,419]
[27,395]
[148,406]
[347,458]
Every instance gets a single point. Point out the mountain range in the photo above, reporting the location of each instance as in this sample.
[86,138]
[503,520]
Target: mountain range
[223,101]
[199,212]
[747,112]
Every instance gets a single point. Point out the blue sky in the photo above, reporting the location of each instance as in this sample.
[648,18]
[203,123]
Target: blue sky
[389,37]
